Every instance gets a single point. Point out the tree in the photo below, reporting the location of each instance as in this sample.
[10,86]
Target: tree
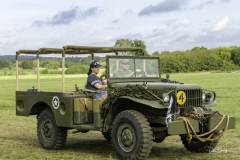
[138,43]
[27,64]
[235,55]
[165,52]
[198,49]
[86,60]
[156,54]
[225,54]
[77,69]
[52,64]
[130,43]
[123,43]
[5,63]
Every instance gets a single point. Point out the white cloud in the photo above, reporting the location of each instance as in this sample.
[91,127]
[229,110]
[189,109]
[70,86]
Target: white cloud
[164,25]
[221,24]
[108,38]
[80,27]
[6,31]
[153,34]
[178,22]
[183,22]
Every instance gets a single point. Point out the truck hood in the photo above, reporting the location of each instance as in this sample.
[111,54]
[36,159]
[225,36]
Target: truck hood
[161,85]
[166,86]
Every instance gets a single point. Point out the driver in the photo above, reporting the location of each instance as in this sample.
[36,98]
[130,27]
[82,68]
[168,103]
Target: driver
[123,70]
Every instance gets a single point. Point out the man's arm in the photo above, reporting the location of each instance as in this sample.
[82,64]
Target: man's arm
[116,74]
[128,73]
[131,73]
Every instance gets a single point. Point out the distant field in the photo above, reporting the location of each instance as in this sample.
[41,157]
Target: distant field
[18,139]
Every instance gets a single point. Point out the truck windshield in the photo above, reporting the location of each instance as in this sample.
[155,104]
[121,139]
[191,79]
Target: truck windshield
[133,68]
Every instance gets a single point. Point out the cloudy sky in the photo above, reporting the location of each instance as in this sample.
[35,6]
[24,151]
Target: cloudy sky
[162,24]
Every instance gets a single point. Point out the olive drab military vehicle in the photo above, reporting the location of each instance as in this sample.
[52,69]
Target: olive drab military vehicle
[141,108]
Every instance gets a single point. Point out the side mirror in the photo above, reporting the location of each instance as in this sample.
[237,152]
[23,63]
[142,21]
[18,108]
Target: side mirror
[76,87]
[168,76]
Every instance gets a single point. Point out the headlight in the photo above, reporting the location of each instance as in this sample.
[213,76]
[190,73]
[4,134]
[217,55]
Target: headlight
[165,97]
[208,96]
[203,96]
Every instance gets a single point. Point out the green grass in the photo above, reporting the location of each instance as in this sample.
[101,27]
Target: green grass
[18,139]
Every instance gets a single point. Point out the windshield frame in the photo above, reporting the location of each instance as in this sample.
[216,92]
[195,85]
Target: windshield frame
[131,79]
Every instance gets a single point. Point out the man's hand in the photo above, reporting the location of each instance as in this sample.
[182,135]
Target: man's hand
[134,73]
[138,70]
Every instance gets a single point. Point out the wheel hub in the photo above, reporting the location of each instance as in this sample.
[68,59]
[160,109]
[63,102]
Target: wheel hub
[126,137]
[47,130]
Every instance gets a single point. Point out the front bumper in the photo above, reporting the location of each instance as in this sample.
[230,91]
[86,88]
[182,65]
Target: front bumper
[178,127]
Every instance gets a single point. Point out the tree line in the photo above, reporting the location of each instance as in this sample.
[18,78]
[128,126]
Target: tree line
[200,59]
[195,59]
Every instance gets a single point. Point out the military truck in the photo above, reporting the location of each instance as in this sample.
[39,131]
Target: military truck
[139,109]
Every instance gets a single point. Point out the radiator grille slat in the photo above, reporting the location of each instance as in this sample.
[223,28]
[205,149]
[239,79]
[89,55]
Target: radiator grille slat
[193,97]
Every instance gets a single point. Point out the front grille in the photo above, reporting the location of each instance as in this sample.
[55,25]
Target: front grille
[193,97]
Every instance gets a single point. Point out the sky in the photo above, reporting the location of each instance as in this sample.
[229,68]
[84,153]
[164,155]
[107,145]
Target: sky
[164,25]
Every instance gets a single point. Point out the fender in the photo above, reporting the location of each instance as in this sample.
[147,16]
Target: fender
[150,103]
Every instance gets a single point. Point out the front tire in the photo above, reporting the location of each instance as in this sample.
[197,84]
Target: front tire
[50,136]
[197,146]
[131,135]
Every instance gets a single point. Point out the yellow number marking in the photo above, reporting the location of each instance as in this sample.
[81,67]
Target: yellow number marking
[181,97]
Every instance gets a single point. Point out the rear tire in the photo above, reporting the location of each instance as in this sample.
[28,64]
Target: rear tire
[131,135]
[50,136]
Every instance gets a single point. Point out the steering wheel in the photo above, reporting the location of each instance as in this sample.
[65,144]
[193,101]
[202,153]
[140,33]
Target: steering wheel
[133,74]
[144,74]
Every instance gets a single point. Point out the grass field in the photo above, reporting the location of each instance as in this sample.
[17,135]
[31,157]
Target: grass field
[18,139]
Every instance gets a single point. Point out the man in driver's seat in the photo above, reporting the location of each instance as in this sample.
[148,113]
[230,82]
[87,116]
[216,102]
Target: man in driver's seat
[123,70]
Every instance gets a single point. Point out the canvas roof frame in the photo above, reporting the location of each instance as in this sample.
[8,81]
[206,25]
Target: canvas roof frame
[71,50]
